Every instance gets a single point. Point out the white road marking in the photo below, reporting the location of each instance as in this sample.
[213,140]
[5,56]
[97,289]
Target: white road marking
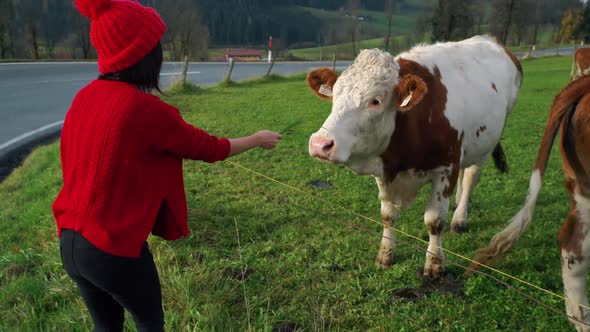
[11,84]
[337,67]
[29,134]
[188,73]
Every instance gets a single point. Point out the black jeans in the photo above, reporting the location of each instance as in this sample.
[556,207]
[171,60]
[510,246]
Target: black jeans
[110,283]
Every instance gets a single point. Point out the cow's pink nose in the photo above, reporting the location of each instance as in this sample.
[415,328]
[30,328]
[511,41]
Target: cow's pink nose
[321,147]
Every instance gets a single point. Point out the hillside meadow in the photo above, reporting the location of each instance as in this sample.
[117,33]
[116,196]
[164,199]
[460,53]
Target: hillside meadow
[299,263]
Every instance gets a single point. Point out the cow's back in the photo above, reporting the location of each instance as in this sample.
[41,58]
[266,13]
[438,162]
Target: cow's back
[482,80]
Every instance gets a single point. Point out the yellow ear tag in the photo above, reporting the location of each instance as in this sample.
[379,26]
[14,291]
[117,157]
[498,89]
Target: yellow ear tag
[325,90]
[407,99]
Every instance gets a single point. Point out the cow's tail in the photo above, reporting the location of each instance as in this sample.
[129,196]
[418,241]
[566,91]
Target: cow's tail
[500,159]
[563,104]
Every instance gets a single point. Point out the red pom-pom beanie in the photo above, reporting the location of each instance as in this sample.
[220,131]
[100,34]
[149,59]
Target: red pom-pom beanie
[122,31]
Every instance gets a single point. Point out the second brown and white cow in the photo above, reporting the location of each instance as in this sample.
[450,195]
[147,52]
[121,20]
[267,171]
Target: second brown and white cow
[581,64]
[570,114]
[433,114]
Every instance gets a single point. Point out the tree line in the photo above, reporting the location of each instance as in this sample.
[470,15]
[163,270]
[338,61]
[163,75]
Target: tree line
[54,29]
[513,22]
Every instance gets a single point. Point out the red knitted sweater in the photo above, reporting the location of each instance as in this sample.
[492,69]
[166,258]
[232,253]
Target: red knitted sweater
[121,153]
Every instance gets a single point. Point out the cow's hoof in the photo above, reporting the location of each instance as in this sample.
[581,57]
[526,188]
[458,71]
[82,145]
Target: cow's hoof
[435,269]
[434,272]
[459,228]
[384,261]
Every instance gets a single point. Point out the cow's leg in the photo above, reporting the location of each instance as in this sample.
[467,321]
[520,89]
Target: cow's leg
[435,218]
[574,244]
[389,213]
[467,183]
[459,188]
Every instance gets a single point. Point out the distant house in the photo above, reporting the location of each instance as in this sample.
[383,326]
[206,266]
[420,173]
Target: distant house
[243,54]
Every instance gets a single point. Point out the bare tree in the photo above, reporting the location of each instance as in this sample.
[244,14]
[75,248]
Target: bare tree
[538,20]
[353,7]
[4,21]
[15,44]
[423,26]
[34,35]
[8,28]
[53,24]
[522,19]
[479,16]
[3,39]
[32,15]
[389,9]
[501,19]
[186,33]
[84,39]
[453,19]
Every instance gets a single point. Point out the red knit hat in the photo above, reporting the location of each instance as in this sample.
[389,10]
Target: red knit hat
[122,31]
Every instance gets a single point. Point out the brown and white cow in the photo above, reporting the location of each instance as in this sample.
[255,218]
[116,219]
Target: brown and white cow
[570,112]
[581,65]
[433,115]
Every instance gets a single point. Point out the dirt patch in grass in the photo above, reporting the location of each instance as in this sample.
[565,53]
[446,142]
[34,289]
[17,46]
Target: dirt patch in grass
[447,284]
[284,326]
[14,270]
[320,184]
[238,274]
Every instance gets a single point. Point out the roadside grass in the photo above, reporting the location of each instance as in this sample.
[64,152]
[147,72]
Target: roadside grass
[375,22]
[344,51]
[308,265]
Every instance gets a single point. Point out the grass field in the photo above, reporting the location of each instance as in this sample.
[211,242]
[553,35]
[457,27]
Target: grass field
[401,40]
[309,266]
[344,51]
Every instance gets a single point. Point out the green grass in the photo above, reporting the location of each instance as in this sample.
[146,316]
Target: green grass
[344,51]
[312,264]
[375,22]
[398,43]
[372,30]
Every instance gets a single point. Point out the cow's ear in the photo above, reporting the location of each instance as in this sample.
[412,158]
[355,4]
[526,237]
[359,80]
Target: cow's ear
[409,92]
[322,81]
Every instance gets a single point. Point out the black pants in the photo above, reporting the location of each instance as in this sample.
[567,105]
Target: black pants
[110,283]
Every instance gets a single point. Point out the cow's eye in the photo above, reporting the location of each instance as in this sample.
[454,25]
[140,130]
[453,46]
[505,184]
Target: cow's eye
[375,102]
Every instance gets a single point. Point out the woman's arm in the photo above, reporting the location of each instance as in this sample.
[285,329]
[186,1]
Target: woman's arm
[265,139]
[170,133]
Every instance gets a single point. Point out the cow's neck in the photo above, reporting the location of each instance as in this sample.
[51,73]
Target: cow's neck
[423,138]
[367,166]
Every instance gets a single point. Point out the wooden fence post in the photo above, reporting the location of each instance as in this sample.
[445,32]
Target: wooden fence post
[230,70]
[184,70]
[272,63]
[334,61]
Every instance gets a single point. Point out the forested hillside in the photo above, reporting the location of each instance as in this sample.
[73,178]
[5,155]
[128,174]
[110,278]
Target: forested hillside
[40,29]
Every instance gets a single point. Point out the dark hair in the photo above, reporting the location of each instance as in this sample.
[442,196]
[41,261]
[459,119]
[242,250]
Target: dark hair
[144,75]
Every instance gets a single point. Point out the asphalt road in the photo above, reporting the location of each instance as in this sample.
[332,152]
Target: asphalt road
[34,97]
[550,52]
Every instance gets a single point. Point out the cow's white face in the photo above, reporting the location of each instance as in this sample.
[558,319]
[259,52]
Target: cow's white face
[365,102]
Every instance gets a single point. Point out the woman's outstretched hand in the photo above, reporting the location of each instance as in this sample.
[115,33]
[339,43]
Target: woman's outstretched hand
[267,139]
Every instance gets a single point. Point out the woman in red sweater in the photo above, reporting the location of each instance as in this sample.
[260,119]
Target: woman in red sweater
[121,152]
